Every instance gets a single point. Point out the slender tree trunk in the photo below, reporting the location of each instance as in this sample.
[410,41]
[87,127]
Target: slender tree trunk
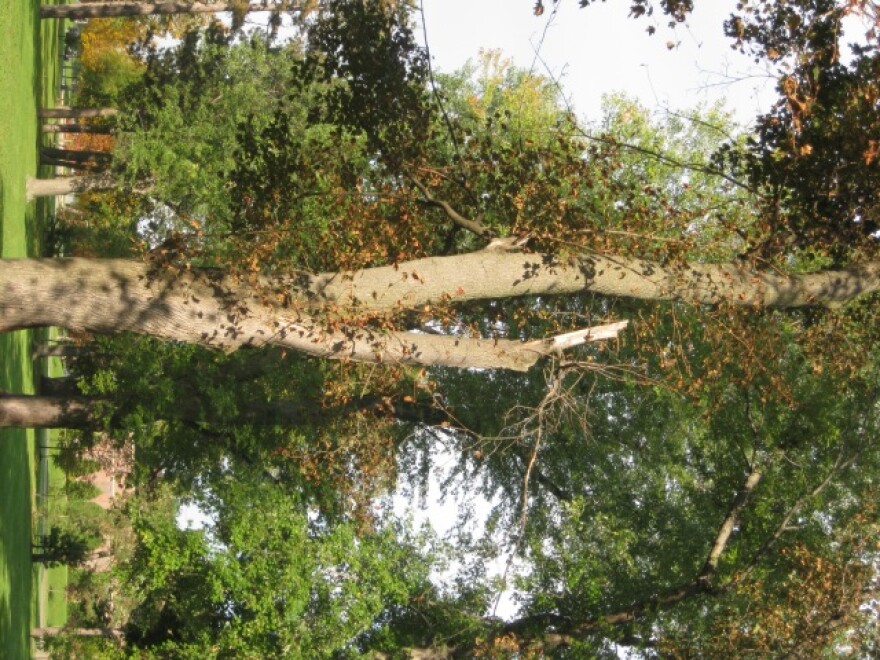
[74,165]
[52,631]
[111,9]
[76,128]
[61,406]
[58,350]
[59,386]
[75,155]
[74,113]
[85,160]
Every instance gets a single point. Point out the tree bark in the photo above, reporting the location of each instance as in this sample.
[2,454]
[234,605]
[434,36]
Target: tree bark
[490,274]
[51,631]
[59,351]
[207,308]
[112,9]
[47,412]
[74,113]
[67,185]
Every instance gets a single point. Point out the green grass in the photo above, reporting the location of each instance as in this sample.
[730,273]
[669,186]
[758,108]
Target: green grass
[25,47]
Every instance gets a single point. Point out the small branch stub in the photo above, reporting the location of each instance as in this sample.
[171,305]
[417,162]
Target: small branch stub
[578,337]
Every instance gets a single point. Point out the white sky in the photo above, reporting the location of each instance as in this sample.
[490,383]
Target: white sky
[599,49]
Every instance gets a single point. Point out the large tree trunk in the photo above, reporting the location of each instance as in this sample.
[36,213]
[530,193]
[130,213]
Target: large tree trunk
[74,113]
[67,185]
[46,412]
[490,274]
[111,9]
[207,308]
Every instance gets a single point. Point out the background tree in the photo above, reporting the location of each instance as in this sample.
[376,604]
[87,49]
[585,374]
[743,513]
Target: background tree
[62,546]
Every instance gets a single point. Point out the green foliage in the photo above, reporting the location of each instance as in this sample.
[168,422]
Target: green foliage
[105,82]
[78,489]
[266,581]
[63,546]
[612,472]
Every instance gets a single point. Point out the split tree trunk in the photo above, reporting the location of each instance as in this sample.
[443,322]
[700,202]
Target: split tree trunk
[207,308]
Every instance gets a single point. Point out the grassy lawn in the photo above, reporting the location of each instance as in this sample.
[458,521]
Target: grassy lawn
[27,57]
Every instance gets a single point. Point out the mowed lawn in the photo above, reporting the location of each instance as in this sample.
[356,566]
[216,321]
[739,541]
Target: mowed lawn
[25,83]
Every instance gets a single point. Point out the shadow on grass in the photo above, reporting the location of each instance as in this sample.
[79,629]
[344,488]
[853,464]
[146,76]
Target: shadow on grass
[15,522]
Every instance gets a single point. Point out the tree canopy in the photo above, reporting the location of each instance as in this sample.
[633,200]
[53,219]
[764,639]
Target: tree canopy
[650,349]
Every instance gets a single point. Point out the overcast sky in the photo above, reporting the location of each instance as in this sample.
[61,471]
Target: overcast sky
[599,49]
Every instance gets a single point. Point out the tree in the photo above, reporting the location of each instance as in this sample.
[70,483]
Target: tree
[61,546]
[269,582]
[73,184]
[717,461]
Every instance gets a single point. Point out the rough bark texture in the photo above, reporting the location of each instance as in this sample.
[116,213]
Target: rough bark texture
[207,308]
[490,274]
[111,9]
[67,185]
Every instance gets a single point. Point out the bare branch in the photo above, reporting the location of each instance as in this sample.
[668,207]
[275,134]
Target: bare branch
[456,217]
